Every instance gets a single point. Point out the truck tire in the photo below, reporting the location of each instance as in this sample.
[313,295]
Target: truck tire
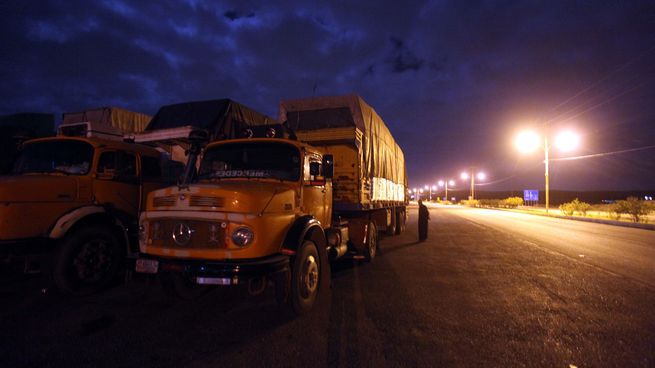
[88,260]
[305,278]
[182,287]
[400,221]
[391,229]
[371,242]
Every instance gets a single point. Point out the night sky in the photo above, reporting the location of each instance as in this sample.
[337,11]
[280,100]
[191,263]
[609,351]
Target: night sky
[454,80]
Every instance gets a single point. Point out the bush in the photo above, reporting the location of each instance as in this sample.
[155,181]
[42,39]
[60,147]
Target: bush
[470,202]
[570,208]
[489,202]
[567,208]
[511,202]
[634,207]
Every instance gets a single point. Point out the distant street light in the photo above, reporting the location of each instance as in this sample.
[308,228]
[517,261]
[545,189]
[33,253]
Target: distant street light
[528,141]
[465,175]
[442,183]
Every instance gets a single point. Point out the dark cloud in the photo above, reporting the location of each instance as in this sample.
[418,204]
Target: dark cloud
[403,59]
[233,15]
[452,79]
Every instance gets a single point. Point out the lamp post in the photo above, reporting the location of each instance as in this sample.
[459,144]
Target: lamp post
[465,175]
[445,184]
[528,141]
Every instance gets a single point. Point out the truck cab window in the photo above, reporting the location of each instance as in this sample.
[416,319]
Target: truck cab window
[115,165]
[107,163]
[150,168]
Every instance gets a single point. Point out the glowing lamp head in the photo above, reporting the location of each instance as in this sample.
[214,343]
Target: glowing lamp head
[567,141]
[451,182]
[527,141]
[434,187]
[482,176]
[440,183]
[464,176]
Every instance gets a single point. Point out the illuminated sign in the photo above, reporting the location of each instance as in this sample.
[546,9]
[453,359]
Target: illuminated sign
[531,195]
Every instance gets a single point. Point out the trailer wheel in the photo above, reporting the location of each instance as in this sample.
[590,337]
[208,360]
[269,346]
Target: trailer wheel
[305,278]
[87,260]
[181,286]
[392,228]
[371,242]
[400,221]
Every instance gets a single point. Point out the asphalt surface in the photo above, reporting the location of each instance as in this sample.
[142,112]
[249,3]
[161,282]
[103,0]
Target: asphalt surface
[488,288]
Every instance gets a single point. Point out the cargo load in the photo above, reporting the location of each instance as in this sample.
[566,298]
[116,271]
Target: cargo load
[122,120]
[222,119]
[369,164]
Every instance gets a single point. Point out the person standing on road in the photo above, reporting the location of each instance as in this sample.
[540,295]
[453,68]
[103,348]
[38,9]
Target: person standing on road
[423,218]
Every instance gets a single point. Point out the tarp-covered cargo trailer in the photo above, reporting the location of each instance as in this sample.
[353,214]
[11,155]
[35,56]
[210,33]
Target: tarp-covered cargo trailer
[123,120]
[222,119]
[369,165]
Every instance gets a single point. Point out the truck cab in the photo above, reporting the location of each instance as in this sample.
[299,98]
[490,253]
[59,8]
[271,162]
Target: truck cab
[255,209]
[71,204]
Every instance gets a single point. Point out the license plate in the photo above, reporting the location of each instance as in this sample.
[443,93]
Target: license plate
[214,280]
[147,265]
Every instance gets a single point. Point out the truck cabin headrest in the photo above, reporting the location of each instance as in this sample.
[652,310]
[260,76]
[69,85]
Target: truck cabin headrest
[268,131]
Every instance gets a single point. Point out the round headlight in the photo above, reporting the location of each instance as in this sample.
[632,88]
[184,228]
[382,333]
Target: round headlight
[242,236]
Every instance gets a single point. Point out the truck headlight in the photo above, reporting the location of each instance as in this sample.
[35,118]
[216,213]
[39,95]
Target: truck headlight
[242,236]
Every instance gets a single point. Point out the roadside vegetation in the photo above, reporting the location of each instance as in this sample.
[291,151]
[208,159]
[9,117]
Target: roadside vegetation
[632,208]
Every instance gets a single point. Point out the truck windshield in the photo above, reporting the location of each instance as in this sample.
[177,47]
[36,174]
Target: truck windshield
[57,156]
[251,160]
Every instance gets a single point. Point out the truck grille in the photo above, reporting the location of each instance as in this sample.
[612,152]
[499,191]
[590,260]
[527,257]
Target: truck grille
[202,234]
[165,201]
[206,201]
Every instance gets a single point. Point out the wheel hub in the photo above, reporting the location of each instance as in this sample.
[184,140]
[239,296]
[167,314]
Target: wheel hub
[92,260]
[309,280]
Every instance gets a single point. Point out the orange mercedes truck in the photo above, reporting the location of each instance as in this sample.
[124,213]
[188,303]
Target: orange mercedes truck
[70,206]
[276,203]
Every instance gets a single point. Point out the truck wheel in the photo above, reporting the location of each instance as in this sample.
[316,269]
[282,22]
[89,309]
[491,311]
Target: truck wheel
[400,221]
[371,242]
[87,260]
[181,286]
[391,229]
[305,278]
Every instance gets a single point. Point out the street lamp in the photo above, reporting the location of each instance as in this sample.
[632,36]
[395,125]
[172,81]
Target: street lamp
[442,183]
[528,141]
[465,175]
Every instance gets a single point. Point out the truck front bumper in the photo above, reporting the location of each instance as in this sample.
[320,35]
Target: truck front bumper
[227,272]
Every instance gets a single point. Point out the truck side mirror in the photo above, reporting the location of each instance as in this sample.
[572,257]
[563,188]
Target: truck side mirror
[328,166]
[314,168]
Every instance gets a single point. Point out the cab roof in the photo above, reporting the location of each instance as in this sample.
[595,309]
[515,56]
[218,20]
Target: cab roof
[102,143]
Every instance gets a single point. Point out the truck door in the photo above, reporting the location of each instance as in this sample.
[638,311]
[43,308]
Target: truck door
[117,182]
[315,191]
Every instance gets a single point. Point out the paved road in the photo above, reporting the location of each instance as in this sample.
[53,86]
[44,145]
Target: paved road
[488,288]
